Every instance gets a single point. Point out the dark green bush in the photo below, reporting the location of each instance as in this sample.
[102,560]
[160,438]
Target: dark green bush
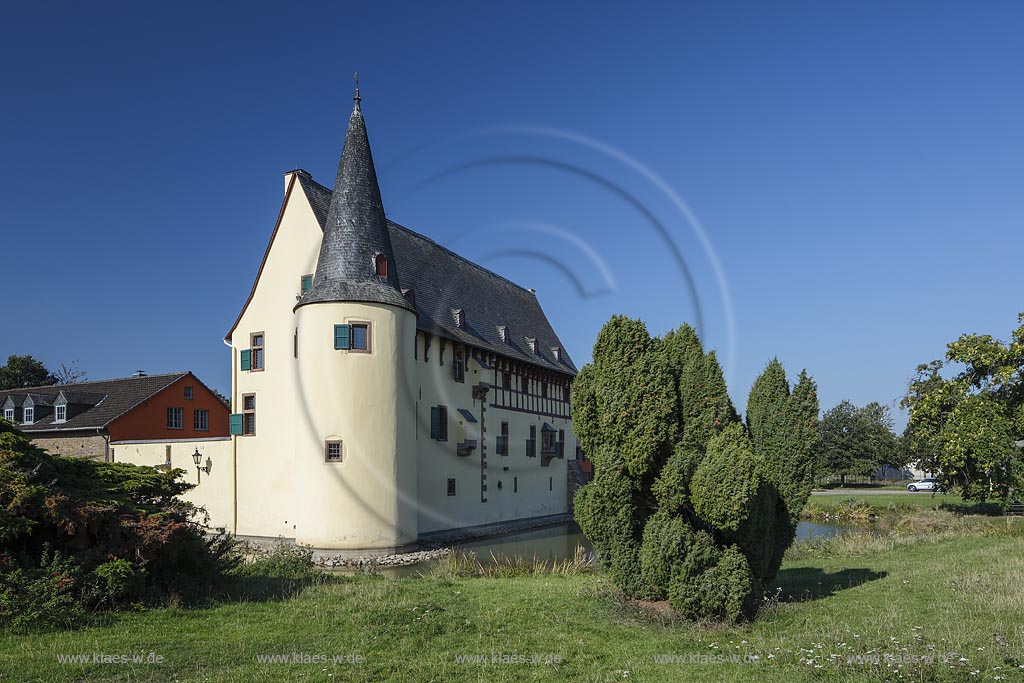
[44,596]
[726,485]
[78,535]
[608,512]
[725,591]
[666,542]
[671,490]
[684,502]
[113,582]
[283,561]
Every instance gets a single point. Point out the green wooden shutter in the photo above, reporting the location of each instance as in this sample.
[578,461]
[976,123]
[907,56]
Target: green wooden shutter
[435,422]
[342,336]
[235,423]
[246,359]
[307,283]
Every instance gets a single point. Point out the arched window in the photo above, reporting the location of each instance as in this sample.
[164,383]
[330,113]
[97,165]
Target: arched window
[382,265]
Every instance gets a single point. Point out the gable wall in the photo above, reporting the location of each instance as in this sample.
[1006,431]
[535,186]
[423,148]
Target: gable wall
[266,476]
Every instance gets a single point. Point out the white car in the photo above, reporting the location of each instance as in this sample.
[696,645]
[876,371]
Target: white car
[924,485]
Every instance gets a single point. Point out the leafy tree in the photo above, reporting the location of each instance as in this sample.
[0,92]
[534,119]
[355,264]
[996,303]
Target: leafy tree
[683,504]
[24,371]
[964,427]
[857,441]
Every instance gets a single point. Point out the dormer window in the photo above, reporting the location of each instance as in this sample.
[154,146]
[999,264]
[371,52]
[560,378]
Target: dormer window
[503,333]
[459,316]
[410,296]
[531,342]
[9,414]
[30,415]
[556,351]
[60,414]
[382,265]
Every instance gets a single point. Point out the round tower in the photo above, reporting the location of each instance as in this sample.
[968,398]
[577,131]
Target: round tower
[355,463]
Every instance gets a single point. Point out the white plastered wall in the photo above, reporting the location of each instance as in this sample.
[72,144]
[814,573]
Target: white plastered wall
[528,488]
[214,489]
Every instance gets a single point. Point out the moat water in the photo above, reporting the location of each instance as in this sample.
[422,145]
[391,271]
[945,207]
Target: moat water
[558,543]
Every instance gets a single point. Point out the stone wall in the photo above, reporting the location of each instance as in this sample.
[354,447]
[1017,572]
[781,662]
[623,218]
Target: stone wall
[81,445]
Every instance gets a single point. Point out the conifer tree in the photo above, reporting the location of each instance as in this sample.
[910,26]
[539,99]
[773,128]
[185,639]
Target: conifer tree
[686,503]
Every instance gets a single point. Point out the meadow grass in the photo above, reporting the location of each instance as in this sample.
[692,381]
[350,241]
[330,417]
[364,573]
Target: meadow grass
[952,589]
[921,499]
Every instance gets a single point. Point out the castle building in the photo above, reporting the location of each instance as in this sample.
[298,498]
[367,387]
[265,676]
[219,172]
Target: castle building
[384,388]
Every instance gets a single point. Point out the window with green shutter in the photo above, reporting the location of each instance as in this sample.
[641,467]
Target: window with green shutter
[246,359]
[236,424]
[439,423]
[307,283]
[342,336]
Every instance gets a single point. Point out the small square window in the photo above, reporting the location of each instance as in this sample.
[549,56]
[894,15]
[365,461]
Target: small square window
[333,452]
[451,487]
[188,393]
[360,337]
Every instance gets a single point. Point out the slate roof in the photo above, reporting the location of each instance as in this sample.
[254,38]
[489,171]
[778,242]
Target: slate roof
[355,231]
[117,397]
[443,281]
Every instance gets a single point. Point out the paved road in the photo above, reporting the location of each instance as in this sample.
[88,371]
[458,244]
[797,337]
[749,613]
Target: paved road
[864,492]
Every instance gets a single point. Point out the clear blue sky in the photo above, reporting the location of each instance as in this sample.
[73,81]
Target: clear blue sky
[857,169]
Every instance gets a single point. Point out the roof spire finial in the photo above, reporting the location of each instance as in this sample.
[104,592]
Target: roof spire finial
[357,98]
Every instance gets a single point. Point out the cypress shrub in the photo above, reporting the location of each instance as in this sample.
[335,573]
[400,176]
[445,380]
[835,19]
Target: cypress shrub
[723,592]
[666,541]
[687,502]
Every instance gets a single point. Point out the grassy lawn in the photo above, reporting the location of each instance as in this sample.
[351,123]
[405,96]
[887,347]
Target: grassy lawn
[920,499]
[909,596]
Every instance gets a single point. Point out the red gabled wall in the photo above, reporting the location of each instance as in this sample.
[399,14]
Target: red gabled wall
[148,421]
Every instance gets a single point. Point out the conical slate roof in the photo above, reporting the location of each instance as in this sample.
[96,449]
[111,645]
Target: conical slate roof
[355,231]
